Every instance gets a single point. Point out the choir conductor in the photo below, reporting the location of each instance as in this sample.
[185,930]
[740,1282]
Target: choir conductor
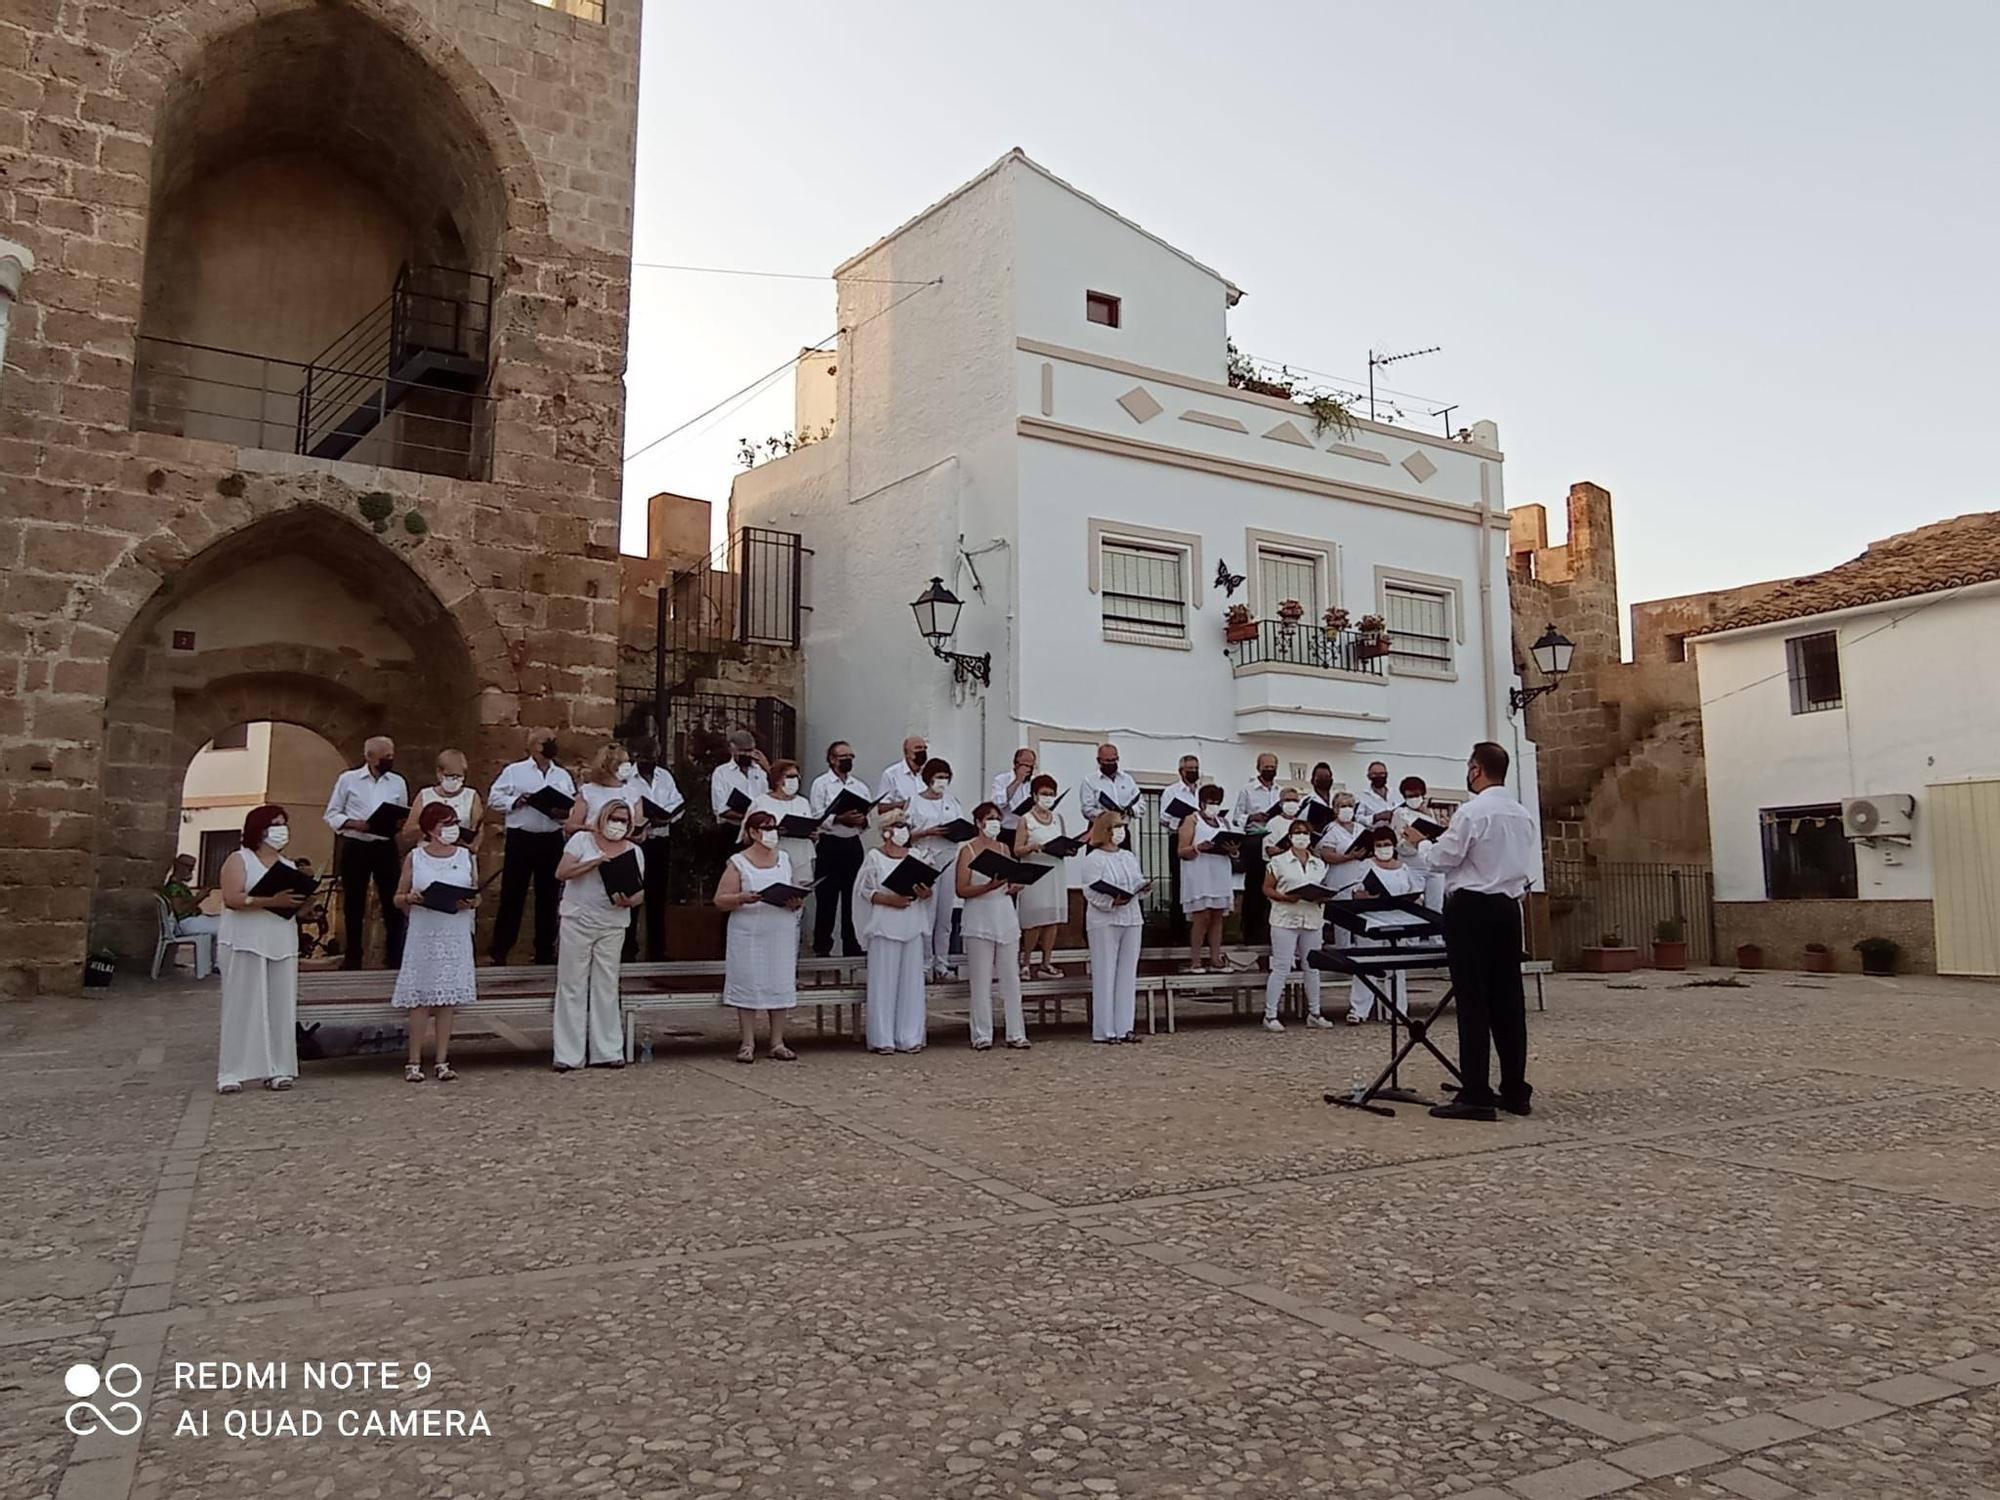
[1487,857]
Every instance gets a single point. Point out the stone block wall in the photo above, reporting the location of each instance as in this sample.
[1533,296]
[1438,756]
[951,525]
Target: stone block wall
[1783,928]
[506,603]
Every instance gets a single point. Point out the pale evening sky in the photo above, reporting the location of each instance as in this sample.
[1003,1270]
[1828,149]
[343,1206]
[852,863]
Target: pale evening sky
[1733,261]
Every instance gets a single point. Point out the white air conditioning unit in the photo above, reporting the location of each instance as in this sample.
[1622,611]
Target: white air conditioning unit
[1886,816]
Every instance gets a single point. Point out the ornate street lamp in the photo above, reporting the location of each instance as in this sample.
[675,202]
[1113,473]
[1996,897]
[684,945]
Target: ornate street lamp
[1552,654]
[937,610]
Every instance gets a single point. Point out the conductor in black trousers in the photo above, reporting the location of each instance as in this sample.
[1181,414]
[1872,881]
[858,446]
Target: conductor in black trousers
[1487,856]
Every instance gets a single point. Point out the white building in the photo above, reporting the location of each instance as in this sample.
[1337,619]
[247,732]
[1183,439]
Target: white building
[1876,681]
[1047,426]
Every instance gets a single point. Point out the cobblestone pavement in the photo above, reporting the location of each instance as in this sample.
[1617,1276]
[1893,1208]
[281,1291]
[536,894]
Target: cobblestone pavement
[1747,1246]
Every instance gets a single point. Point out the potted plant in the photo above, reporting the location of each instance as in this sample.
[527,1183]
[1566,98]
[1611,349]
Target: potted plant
[1818,959]
[1237,624]
[1374,637]
[100,968]
[1749,956]
[1291,611]
[1670,949]
[1878,954]
[1335,619]
[1610,956]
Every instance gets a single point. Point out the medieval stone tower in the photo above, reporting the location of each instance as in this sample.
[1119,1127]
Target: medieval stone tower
[312,405]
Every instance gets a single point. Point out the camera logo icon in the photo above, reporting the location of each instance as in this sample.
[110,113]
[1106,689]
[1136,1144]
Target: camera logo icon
[121,1382]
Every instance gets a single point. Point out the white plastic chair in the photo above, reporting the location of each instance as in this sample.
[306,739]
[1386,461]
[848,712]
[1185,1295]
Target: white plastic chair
[171,937]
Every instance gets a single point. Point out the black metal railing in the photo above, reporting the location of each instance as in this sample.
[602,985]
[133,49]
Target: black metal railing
[1303,643]
[747,592]
[1592,900]
[253,401]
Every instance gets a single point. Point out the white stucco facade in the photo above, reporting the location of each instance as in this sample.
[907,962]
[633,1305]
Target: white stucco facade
[988,431]
[1919,707]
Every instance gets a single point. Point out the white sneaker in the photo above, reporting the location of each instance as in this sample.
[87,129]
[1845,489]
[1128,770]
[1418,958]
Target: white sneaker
[1272,1023]
[1319,1022]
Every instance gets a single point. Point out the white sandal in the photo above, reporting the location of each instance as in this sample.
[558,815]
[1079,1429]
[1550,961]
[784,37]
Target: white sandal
[413,1073]
[446,1074]
[277,1085]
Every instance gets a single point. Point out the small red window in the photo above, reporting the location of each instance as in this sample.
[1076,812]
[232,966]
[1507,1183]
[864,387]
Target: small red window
[1100,308]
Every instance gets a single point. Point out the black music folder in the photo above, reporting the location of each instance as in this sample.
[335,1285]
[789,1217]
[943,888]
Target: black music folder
[1124,810]
[779,894]
[958,830]
[1106,888]
[1176,804]
[387,819]
[792,826]
[1363,841]
[737,803]
[997,866]
[1223,841]
[1318,893]
[847,802]
[1318,814]
[551,803]
[1062,848]
[282,877]
[655,814]
[622,876]
[1427,828]
[444,896]
[908,876]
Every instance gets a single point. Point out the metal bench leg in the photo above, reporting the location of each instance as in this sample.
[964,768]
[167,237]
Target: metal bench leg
[631,1035]
[1538,993]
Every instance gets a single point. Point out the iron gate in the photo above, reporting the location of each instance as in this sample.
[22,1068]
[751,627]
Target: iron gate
[1591,900]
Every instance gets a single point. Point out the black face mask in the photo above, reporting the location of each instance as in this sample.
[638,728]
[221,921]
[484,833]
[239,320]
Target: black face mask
[1267,776]
[844,764]
[1469,786]
[549,748]
[1191,776]
[385,765]
[647,768]
[1323,785]
[1108,767]
[745,760]
[1380,783]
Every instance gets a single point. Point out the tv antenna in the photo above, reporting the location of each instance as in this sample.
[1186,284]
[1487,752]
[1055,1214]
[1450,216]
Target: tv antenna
[1375,359]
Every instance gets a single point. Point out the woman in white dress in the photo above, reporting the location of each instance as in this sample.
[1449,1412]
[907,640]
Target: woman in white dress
[1044,906]
[1295,923]
[591,941]
[259,944]
[1398,879]
[1112,924]
[785,800]
[760,969]
[992,932]
[451,790]
[437,973]
[895,929]
[931,810]
[1208,889]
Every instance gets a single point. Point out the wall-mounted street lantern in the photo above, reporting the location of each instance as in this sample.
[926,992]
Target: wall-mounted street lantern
[937,610]
[1552,655]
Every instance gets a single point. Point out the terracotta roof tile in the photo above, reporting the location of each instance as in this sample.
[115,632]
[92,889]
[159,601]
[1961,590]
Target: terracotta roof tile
[1944,555]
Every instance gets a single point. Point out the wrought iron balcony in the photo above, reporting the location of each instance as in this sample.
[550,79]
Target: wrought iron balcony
[1279,644]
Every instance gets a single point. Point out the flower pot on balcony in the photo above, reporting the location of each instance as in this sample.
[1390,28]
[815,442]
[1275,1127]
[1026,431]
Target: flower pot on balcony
[1818,959]
[1236,633]
[1669,955]
[1749,956]
[1291,611]
[1610,960]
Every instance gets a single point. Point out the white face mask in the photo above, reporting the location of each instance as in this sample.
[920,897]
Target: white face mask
[768,838]
[1413,803]
[1301,841]
[616,831]
[277,836]
[451,786]
[898,835]
[790,786]
[991,828]
[1289,809]
[1045,801]
[627,771]
[1344,814]
[447,833]
[1118,838]
[1385,852]
[941,785]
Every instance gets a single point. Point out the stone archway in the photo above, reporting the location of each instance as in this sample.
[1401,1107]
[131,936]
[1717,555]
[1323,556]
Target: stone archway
[300,618]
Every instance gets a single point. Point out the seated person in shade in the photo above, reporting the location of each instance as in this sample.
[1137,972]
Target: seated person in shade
[179,891]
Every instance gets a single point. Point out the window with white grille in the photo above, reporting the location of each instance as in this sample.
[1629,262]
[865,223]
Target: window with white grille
[1288,575]
[1144,590]
[1420,627]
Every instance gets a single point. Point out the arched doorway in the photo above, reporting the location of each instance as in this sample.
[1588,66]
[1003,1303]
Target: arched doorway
[301,619]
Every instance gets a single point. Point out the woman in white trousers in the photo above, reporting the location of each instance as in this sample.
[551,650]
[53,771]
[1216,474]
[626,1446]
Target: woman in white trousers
[259,942]
[1112,924]
[1296,923]
[592,939]
[895,929]
[991,929]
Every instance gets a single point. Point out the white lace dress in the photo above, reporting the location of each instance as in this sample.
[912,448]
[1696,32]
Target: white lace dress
[760,969]
[437,947]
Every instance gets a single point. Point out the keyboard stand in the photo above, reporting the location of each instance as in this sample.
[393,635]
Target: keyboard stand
[1386,1084]
[1406,1032]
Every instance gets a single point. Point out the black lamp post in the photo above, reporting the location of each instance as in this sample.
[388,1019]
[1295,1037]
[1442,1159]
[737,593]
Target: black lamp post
[1552,654]
[937,610]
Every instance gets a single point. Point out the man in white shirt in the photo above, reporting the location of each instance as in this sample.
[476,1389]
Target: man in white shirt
[366,856]
[1251,804]
[1107,789]
[655,783]
[746,773]
[1373,804]
[840,852]
[1177,802]
[1487,856]
[904,779]
[533,847]
[1010,787]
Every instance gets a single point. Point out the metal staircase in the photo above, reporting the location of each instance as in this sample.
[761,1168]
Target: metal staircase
[433,333]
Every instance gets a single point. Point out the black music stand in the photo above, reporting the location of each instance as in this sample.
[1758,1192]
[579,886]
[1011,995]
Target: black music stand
[1392,920]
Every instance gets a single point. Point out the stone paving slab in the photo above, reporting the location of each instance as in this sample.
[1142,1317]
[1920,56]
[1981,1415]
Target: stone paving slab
[67,1234]
[33,1440]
